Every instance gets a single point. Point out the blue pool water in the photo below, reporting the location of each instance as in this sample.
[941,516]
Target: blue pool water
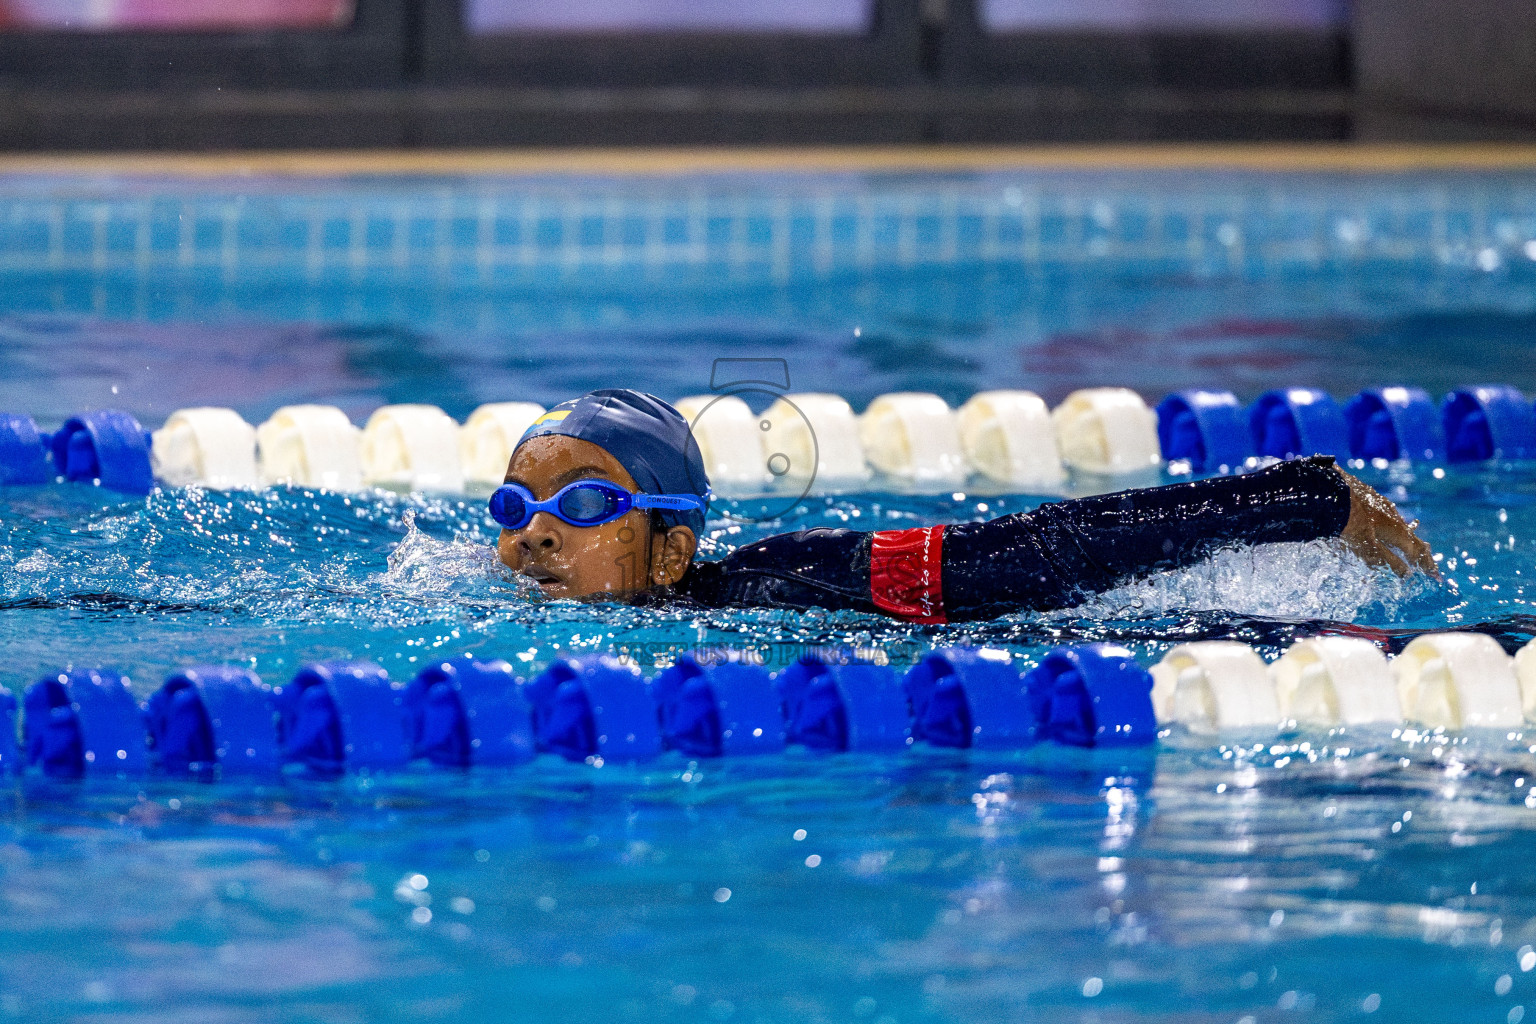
[1305,877]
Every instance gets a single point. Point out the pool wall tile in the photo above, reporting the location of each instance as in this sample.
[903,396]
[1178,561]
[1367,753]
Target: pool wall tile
[508,233]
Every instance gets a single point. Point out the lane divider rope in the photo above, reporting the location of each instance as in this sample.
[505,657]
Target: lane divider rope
[1104,437]
[346,716]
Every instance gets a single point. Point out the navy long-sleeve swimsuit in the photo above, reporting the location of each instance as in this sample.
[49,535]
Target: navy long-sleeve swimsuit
[1056,556]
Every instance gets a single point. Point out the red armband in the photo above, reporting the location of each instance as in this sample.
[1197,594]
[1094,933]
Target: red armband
[906,573]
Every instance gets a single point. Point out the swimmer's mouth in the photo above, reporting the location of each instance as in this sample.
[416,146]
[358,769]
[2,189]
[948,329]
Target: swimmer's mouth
[540,575]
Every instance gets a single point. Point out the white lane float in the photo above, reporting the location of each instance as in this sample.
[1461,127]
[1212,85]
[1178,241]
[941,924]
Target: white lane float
[206,447]
[1107,432]
[1458,680]
[1213,686]
[729,440]
[488,437]
[913,436]
[1008,437]
[1525,674]
[310,446]
[812,434]
[412,448]
[1336,680]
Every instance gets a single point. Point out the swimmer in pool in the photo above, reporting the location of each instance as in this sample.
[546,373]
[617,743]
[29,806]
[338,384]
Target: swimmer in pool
[605,495]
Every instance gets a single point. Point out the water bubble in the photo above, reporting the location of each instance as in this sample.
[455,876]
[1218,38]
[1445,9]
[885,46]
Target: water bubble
[1315,580]
[1349,231]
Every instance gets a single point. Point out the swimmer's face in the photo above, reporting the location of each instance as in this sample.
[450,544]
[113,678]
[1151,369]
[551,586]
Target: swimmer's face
[615,559]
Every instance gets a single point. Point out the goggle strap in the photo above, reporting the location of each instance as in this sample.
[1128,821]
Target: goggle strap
[671,502]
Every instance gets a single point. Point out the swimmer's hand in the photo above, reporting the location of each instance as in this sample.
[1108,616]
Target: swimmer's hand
[1377,533]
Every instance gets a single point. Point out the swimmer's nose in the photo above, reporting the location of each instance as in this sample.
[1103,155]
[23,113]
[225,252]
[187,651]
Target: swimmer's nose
[542,534]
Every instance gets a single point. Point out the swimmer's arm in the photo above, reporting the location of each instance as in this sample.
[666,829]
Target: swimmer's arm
[1377,533]
[1059,554]
[1062,553]
[817,568]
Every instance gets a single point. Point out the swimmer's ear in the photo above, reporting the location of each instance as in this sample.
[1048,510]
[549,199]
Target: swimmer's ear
[671,555]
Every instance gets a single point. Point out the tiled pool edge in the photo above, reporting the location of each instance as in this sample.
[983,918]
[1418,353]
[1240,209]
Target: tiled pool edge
[755,229]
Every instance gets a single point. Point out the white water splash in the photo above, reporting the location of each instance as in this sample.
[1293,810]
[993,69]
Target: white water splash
[424,566]
[1315,580]
[38,561]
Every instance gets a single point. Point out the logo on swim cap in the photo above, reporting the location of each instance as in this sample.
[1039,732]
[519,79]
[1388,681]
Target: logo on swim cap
[553,416]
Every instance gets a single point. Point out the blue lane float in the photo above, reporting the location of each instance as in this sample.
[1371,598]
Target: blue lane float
[465,712]
[1207,428]
[1489,422]
[594,707]
[791,684]
[1291,422]
[731,709]
[107,445]
[337,716]
[748,709]
[962,697]
[540,693]
[83,722]
[23,451]
[684,704]
[213,718]
[1095,695]
[837,707]
[1394,423]
[11,761]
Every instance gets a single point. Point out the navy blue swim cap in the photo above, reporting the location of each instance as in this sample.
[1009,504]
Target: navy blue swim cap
[648,437]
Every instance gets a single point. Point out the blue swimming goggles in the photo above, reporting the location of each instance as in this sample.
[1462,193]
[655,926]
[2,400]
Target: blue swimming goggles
[583,503]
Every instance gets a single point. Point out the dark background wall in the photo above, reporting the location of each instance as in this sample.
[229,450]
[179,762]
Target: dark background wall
[407,74]
[1428,69]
